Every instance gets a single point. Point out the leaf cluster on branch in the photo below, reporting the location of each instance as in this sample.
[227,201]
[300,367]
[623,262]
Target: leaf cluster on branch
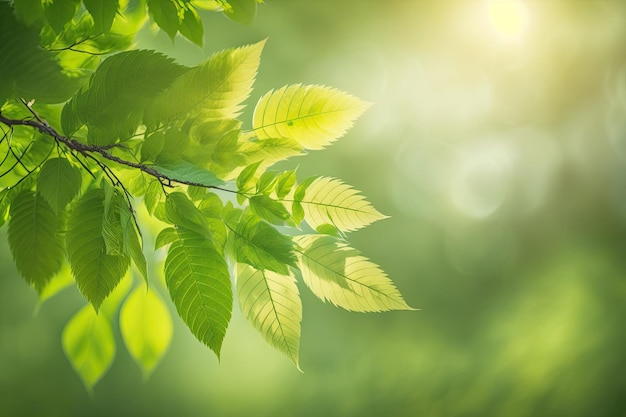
[105,149]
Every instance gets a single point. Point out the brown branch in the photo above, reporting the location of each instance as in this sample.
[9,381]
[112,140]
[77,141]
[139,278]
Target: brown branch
[89,150]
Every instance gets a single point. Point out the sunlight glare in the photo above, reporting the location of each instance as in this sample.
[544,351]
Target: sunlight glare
[509,18]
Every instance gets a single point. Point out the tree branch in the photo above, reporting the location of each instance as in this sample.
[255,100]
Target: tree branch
[89,150]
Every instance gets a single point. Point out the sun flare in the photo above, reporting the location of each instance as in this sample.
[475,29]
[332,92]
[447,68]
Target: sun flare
[508,18]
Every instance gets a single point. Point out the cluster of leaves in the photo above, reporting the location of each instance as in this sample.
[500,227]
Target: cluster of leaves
[142,130]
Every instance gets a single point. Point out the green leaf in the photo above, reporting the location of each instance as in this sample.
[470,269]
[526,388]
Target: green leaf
[60,12]
[146,328]
[246,176]
[165,14]
[214,89]
[28,11]
[268,209]
[314,116]
[152,146]
[330,201]
[189,173]
[191,26]
[183,212]
[89,345]
[34,239]
[153,195]
[260,245]
[337,273]
[271,302]
[284,183]
[26,70]
[58,182]
[266,181]
[123,85]
[111,224]
[96,273]
[165,237]
[199,284]
[103,13]
[242,11]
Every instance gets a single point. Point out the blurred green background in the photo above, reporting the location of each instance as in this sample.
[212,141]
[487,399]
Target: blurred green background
[497,144]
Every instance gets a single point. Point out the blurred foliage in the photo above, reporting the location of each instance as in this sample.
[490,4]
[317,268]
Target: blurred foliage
[500,159]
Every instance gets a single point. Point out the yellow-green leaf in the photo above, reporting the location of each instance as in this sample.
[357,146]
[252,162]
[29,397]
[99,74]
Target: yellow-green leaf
[146,328]
[331,201]
[89,345]
[337,273]
[271,302]
[312,115]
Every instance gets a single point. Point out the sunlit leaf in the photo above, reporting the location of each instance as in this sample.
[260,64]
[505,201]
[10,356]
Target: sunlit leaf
[89,345]
[330,201]
[269,209]
[198,281]
[146,328]
[337,273]
[314,116]
[34,239]
[271,302]
[216,88]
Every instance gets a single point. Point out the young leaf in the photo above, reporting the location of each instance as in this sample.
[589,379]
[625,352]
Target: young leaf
[262,246]
[34,239]
[103,13]
[284,183]
[246,175]
[330,201]
[58,182]
[337,273]
[199,284]
[165,237]
[271,302]
[268,209]
[314,116]
[146,328]
[153,195]
[89,345]
[60,12]
[96,273]
[215,88]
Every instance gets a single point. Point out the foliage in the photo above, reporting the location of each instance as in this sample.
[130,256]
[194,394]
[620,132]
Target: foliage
[92,130]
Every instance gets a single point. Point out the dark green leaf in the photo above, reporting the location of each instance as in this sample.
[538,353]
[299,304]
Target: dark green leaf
[191,26]
[58,182]
[60,12]
[103,13]
[197,278]
[96,273]
[26,70]
[152,146]
[165,14]
[34,239]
